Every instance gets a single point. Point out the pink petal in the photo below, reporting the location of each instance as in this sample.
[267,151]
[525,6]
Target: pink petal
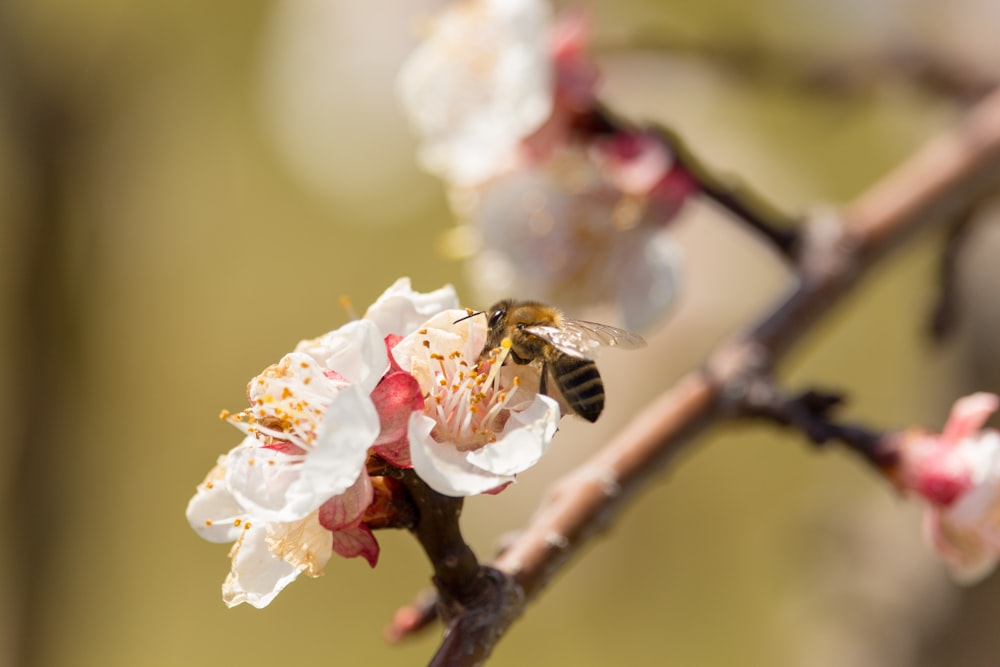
[967,416]
[357,541]
[285,447]
[390,342]
[396,453]
[635,161]
[576,75]
[942,477]
[675,188]
[395,398]
[347,508]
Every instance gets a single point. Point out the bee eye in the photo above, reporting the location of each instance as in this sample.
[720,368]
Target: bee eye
[496,319]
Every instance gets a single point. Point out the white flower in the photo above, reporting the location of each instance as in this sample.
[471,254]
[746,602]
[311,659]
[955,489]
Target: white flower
[263,558]
[958,474]
[312,430]
[561,233]
[482,424]
[479,84]
[296,489]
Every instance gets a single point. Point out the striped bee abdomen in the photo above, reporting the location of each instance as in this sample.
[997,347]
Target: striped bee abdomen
[580,384]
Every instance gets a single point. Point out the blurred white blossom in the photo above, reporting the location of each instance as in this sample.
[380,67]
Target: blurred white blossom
[958,473]
[556,202]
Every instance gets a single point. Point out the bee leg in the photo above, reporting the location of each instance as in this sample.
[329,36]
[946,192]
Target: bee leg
[545,375]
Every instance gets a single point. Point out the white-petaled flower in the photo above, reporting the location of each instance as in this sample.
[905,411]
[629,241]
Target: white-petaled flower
[312,429]
[480,83]
[561,233]
[296,489]
[266,557]
[958,474]
[482,423]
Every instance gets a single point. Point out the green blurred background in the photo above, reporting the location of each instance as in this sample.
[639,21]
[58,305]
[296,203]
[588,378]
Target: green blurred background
[187,189]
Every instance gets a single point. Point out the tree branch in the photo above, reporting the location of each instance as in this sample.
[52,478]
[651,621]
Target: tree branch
[934,185]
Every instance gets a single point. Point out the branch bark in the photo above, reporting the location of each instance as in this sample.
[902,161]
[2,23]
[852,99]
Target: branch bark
[941,180]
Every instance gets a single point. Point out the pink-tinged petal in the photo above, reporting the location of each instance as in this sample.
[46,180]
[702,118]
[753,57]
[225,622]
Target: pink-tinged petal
[443,467]
[257,576]
[347,508]
[357,541]
[968,415]
[396,452]
[944,480]
[968,558]
[213,511]
[400,310]
[525,439]
[395,398]
[390,342]
[670,193]
[576,75]
[634,161]
[498,490]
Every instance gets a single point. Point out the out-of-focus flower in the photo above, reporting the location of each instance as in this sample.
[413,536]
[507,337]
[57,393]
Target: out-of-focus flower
[958,473]
[558,202]
[479,83]
[482,423]
[561,233]
[297,489]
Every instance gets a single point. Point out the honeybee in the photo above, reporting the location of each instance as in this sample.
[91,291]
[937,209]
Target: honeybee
[564,347]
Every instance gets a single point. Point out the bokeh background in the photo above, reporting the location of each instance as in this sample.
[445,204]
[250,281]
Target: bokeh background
[187,189]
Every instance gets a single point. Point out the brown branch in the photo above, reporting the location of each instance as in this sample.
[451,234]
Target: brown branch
[934,185]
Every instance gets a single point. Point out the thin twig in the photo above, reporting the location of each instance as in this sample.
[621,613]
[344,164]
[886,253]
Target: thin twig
[938,182]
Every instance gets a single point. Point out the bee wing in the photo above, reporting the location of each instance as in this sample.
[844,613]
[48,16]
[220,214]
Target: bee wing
[579,338]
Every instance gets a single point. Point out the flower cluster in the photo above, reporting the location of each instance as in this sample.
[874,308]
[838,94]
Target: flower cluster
[558,203]
[957,472]
[402,387]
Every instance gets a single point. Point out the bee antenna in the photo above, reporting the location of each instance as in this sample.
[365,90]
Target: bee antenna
[471,314]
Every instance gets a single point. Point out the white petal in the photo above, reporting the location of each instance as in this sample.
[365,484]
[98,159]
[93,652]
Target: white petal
[444,468]
[283,491]
[356,351]
[480,83]
[444,336]
[648,286]
[526,437]
[304,544]
[259,480]
[257,575]
[401,311]
[213,512]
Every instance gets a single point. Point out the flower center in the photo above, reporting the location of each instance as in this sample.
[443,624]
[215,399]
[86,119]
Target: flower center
[466,399]
[287,404]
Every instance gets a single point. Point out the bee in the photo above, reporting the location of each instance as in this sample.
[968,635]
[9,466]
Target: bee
[564,347]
